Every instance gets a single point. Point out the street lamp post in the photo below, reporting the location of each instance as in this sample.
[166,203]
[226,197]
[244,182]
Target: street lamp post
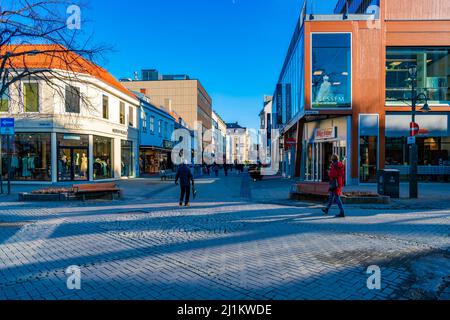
[413,149]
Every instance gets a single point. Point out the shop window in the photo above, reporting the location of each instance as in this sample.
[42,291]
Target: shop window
[4,102]
[72,99]
[103,159]
[368,147]
[122,113]
[127,158]
[105,107]
[31,97]
[433,74]
[73,157]
[152,125]
[30,157]
[331,70]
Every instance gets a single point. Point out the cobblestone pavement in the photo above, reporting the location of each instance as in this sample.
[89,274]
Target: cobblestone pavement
[233,243]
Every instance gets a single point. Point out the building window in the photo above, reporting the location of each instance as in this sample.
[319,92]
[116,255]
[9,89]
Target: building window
[105,111]
[122,113]
[31,97]
[152,125]
[127,159]
[4,102]
[144,121]
[331,70]
[103,159]
[31,158]
[160,128]
[433,74]
[73,99]
[130,116]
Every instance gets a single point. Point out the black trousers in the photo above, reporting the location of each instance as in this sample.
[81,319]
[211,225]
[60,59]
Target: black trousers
[185,194]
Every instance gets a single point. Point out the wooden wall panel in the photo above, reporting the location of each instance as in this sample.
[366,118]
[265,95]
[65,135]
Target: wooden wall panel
[417,9]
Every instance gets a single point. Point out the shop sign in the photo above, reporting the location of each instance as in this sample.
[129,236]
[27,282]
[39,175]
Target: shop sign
[412,140]
[122,132]
[7,126]
[327,133]
[72,137]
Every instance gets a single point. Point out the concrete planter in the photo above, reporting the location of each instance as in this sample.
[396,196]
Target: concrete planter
[30,197]
[376,199]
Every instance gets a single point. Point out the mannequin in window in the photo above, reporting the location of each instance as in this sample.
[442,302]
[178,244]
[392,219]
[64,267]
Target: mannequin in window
[63,162]
[84,165]
[25,169]
[325,91]
[77,163]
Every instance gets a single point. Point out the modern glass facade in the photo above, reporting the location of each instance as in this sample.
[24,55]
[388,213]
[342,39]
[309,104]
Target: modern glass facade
[433,73]
[331,70]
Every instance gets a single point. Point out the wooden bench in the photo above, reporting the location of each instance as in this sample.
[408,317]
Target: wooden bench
[167,175]
[84,190]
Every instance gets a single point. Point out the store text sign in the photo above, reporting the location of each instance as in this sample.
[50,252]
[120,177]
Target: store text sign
[326,133]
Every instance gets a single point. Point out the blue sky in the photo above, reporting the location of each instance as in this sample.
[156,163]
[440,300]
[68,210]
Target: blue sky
[235,47]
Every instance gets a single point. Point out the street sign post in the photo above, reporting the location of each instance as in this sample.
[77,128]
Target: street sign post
[7,129]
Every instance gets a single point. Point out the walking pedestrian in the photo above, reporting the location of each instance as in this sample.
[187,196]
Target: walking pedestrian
[216,169]
[337,182]
[184,175]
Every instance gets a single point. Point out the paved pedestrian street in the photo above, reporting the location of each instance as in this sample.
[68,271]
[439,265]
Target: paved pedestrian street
[236,241]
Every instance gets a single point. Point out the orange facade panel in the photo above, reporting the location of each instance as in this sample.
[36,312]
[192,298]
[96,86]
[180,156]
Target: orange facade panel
[417,9]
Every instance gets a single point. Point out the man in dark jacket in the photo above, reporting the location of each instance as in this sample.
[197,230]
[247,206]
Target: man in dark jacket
[185,177]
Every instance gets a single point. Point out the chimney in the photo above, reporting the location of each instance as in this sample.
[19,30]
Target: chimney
[143,91]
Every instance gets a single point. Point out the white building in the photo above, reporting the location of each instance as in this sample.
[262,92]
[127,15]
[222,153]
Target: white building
[80,125]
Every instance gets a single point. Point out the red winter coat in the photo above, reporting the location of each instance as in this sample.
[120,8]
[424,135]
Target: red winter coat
[337,171]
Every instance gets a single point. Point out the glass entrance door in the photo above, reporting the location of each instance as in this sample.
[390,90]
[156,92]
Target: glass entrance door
[73,164]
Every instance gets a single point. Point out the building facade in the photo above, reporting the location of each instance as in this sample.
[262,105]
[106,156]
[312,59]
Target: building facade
[156,127]
[186,97]
[345,89]
[82,126]
[218,138]
[238,144]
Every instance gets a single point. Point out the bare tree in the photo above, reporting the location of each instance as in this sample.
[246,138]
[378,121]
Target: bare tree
[57,25]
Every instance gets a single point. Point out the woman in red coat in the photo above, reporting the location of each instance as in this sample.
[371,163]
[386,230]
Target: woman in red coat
[337,182]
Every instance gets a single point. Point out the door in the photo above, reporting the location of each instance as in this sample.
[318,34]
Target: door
[73,164]
[326,160]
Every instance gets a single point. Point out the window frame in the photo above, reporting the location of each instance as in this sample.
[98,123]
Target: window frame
[152,125]
[122,116]
[105,98]
[131,116]
[8,101]
[79,99]
[311,71]
[39,95]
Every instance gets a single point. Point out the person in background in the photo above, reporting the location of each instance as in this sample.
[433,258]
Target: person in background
[337,182]
[184,175]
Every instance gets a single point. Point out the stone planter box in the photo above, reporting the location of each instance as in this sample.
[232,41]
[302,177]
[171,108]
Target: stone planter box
[30,197]
[376,199]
